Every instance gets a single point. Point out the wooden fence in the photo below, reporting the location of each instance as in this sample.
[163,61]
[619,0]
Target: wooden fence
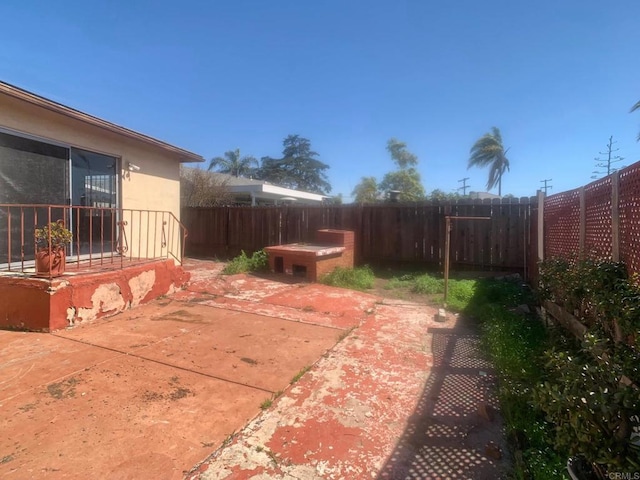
[384,232]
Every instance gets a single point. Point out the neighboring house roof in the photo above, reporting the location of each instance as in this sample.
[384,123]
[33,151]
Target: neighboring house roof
[483,195]
[259,189]
[19,93]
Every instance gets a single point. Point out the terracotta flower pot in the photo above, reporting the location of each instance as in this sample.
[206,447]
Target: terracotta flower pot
[50,265]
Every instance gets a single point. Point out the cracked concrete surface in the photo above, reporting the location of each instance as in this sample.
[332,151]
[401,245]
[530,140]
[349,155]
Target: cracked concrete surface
[151,392]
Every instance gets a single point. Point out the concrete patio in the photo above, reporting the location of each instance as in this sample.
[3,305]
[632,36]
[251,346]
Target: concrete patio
[173,389]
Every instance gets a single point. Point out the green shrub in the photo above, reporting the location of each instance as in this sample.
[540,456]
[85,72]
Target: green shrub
[359,278]
[461,294]
[585,393]
[257,262]
[427,284]
[585,396]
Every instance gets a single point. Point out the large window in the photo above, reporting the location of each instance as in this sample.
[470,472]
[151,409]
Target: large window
[39,173]
[32,171]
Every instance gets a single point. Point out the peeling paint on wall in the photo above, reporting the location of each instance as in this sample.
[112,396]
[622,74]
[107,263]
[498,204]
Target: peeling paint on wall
[141,285]
[48,305]
[71,315]
[106,298]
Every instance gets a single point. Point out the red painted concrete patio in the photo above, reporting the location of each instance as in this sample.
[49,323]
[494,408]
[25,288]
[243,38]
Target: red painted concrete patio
[178,383]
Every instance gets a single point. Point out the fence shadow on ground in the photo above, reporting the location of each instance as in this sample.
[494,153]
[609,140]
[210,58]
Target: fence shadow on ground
[454,432]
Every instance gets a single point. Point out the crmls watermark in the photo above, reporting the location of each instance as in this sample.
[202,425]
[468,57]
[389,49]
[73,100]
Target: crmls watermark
[624,475]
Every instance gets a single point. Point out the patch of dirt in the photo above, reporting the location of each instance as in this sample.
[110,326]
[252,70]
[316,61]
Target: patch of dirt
[63,389]
[176,394]
[27,407]
[179,393]
[150,396]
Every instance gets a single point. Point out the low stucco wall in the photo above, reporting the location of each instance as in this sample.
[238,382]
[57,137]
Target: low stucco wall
[43,305]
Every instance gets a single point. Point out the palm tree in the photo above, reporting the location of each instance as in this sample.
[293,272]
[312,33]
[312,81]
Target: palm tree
[489,151]
[233,164]
[633,109]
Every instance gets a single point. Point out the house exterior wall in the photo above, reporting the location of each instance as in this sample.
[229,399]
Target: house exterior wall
[156,186]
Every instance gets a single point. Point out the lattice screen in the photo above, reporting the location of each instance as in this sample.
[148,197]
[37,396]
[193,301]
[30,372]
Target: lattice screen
[629,209]
[562,224]
[597,200]
[562,220]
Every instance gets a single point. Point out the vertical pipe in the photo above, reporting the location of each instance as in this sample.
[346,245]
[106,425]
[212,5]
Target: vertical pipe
[139,233]
[447,245]
[91,210]
[35,224]
[155,232]
[49,239]
[21,240]
[101,236]
[146,237]
[9,237]
[77,226]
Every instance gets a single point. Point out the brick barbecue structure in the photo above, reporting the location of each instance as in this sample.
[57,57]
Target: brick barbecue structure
[333,248]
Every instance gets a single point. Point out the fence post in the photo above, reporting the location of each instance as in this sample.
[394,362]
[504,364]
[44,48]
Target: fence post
[615,217]
[541,198]
[583,223]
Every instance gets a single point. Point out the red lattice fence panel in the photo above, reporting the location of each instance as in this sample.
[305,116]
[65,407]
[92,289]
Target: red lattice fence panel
[562,224]
[600,221]
[598,234]
[629,217]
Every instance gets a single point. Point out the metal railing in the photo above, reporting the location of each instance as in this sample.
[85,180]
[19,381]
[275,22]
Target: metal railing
[101,237]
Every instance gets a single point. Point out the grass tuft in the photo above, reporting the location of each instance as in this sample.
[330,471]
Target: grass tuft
[257,262]
[359,278]
[299,375]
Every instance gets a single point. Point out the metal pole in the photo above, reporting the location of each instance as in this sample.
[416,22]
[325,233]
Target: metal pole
[447,245]
[447,248]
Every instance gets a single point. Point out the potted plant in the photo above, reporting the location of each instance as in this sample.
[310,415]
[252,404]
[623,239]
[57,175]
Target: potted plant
[51,241]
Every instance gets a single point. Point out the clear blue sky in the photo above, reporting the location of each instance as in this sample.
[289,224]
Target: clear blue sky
[558,77]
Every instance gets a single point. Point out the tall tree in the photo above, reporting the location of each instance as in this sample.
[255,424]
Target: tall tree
[488,151]
[298,168]
[233,164]
[366,191]
[402,157]
[406,179]
[440,195]
[633,109]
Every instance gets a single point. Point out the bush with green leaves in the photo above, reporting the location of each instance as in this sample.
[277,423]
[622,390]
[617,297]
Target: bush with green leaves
[359,278]
[599,293]
[589,392]
[427,284]
[257,262]
[591,404]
